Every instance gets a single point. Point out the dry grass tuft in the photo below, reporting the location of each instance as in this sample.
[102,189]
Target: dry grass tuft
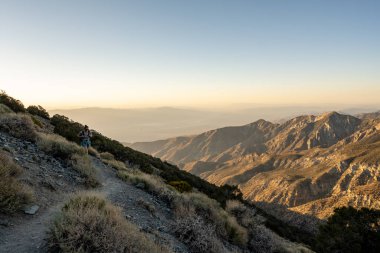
[88,223]
[106,156]
[18,125]
[84,166]
[116,164]
[13,194]
[58,146]
[93,152]
[151,183]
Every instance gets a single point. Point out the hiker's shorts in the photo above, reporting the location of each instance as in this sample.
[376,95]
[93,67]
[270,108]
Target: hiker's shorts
[86,143]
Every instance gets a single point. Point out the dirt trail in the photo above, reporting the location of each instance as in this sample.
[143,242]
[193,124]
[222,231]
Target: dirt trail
[28,235]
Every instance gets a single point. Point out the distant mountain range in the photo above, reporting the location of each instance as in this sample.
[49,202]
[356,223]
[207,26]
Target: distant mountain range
[310,164]
[132,125]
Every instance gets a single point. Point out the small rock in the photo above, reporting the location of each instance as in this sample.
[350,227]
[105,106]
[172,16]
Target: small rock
[31,209]
[140,185]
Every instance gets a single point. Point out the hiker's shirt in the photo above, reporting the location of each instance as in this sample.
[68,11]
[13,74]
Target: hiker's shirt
[85,135]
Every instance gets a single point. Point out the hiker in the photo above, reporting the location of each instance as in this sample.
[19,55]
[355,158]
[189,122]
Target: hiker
[85,136]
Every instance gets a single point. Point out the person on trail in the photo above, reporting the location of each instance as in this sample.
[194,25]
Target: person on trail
[85,136]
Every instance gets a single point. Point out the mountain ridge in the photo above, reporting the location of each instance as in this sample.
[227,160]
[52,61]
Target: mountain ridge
[293,163]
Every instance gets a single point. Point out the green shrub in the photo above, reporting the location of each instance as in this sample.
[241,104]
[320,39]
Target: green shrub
[5,109]
[37,122]
[350,230]
[88,223]
[39,111]
[18,125]
[181,186]
[13,104]
[13,194]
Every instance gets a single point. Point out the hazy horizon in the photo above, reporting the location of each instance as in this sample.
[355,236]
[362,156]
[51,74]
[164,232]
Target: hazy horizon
[150,124]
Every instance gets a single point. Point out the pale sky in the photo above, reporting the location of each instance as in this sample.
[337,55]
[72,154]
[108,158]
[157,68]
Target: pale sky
[144,53]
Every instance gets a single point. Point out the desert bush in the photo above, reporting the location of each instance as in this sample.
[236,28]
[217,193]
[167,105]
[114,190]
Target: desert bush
[88,223]
[83,165]
[13,194]
[151,183]
[18,125]
[5,109]
[58,146]
[13,104]
[181,186]
[106,156]
[199,235]
[225,224]
[39,111]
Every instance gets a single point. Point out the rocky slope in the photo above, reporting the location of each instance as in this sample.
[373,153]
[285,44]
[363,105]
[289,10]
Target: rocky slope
[310,164]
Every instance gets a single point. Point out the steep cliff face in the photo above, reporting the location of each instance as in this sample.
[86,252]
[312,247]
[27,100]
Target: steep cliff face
[310,164]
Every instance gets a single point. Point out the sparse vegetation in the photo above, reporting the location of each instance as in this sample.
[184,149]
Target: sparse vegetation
[88,223]
[13,104]
[39,111]
[13,194]
[200,205]
[350,230]
[71,153]
[18,125]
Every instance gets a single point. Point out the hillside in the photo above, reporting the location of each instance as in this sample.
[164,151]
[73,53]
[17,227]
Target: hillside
[56,198]
[310,164]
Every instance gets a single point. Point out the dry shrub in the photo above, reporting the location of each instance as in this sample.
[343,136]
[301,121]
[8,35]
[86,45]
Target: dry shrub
[199,235]
[152,183]
[226,225]
[18,125]
[88,223]
[13,194]
[4,109]
[246,216]
[107,156]
[84,166]
[58,146]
